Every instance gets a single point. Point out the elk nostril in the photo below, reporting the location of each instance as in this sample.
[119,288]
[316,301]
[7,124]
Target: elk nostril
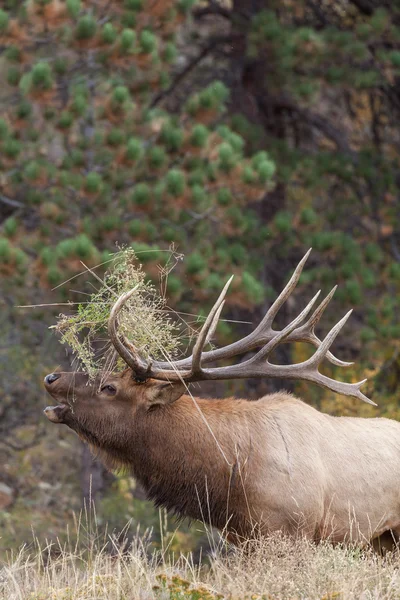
[52,377]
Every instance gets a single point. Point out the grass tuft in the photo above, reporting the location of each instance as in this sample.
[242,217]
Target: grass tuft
[273,569]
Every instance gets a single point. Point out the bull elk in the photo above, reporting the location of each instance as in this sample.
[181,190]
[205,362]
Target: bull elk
[246,467]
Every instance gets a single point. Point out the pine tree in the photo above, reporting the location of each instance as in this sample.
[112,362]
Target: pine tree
[317,85]
[88,154]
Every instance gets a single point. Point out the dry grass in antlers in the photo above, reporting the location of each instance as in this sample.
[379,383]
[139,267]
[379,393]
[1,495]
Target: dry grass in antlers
[143,319]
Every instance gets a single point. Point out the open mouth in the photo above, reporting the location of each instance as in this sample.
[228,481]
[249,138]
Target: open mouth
[56,414]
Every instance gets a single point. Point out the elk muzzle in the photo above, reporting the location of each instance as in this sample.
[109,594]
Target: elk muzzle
[55,414]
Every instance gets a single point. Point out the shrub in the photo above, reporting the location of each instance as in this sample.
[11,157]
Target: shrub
[10,226]
[175,181]
[195,263]
[252,288]
[5,250]
[93,183]
[3,20]
[224,196]
[74,7]
[226,156]
[84,248]
[109,33]
[120,94]
[66,119]
[127,40]
[47,256]
[147,41]
[283,222]
[157,157]
[308,216]
[134,149]
[199,135]
[86,28]
[54,275]
[41,76]
[141,194]
[172,137]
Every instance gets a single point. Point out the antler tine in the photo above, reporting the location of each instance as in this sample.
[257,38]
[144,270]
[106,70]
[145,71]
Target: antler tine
[119,341]
[340,387]
[321,351]
[214,323]
[362,396]
[208,329]
[347,389]
[307,330]
[268,319]
[282,335]
[319,311]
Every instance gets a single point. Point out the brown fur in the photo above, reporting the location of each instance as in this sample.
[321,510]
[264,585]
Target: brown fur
[246,467]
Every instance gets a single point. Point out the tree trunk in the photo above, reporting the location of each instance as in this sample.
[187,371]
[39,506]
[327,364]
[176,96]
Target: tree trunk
[251,97]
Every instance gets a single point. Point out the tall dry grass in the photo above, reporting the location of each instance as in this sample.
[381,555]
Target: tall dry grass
[274,568]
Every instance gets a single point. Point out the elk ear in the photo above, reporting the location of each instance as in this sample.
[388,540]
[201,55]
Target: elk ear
[164,392]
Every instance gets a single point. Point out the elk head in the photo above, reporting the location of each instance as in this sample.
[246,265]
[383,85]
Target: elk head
[107,404]
[94,408]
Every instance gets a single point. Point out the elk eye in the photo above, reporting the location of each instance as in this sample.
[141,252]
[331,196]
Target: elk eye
[109,388]
[139,380]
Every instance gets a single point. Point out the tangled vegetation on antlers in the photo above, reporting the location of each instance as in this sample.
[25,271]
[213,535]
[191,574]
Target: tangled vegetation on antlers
[144,319]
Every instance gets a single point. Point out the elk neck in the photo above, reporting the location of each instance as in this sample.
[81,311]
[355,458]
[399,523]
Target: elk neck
[195,464]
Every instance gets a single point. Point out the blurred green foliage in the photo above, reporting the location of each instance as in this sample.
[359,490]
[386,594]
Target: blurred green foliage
[89,168]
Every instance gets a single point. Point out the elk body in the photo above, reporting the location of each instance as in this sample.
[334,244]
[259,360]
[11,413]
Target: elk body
[245,467]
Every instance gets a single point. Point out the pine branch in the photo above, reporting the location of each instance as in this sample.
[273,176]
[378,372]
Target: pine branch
[189,68]
[11,202]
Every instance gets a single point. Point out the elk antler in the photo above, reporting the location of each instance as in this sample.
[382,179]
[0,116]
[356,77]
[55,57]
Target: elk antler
[264,337]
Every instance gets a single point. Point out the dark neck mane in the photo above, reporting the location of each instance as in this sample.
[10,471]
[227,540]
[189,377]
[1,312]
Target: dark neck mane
[175,458]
